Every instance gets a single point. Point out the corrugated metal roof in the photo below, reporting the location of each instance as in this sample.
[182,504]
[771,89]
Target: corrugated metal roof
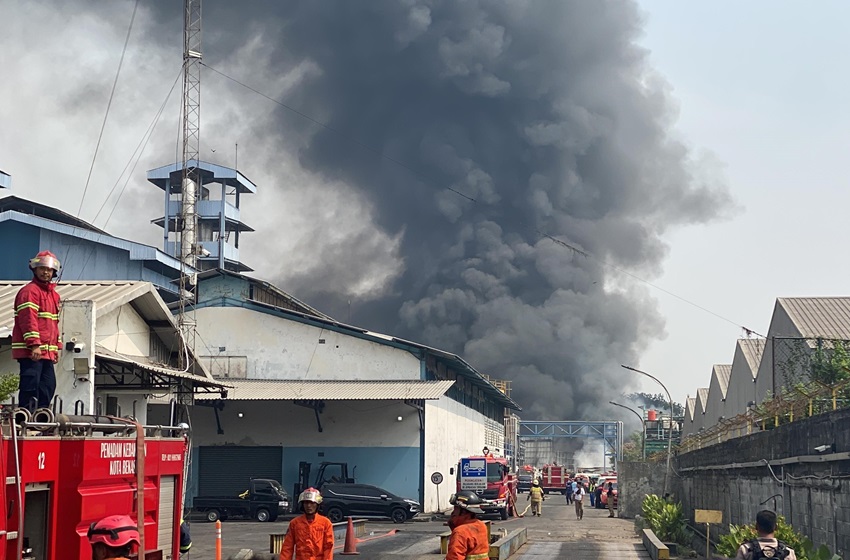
[702,399]
[690,406]
[103,353]
[289,390]
[722,373]
[819,317]
[106,295]
[752,348]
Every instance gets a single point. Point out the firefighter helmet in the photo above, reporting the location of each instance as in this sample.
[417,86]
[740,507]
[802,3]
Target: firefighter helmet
[115,531]
[310,495]
[46,259]
[468,500]
[536,482]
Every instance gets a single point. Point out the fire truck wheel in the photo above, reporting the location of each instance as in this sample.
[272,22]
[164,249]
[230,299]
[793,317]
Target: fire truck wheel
[503,513]
[263,515]
[213,515]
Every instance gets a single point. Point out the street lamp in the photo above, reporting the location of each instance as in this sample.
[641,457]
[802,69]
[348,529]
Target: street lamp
[642,423]
[670,436]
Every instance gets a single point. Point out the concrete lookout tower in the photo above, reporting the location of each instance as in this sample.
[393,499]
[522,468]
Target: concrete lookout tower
[219,226]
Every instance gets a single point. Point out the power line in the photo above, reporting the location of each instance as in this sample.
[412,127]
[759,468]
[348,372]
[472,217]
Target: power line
[341,133]
[583,253]
[140,148]
[108,106]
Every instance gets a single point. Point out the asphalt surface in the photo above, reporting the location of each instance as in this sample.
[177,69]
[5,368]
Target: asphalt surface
[556,534]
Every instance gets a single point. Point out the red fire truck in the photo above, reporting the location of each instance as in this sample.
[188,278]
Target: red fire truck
[499,490]
[553,478]
[64,472]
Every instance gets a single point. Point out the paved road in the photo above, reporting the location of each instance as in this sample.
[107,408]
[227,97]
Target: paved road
[557,534]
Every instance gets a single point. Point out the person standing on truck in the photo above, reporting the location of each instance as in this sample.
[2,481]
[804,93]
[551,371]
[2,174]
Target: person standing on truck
[311,535]
[469,534]
[113,537]
[35,335]
[536,497]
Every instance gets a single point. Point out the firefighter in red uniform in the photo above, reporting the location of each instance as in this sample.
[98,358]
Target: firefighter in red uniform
[35,336]
[469,535]
[112,538]
[310,536]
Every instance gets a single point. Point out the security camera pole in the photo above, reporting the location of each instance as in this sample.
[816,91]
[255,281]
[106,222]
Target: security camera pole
[670,433]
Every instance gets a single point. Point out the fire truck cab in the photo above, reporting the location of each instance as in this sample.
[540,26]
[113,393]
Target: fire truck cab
[498,488]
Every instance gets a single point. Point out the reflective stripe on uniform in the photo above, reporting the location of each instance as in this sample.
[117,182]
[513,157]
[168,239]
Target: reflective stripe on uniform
[482,556]
[26,305]
[31,334]
[48,315]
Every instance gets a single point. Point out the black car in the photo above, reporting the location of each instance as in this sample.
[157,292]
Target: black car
[364,500]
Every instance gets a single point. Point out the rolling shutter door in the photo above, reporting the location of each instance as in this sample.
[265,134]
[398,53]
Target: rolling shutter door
[165,524]
[227,470]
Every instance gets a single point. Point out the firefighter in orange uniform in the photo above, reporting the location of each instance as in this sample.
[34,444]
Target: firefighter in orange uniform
[469,534]
[113,537]
[310,536]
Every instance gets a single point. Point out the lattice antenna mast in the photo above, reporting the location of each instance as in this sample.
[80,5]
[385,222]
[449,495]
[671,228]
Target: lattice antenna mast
[191,180]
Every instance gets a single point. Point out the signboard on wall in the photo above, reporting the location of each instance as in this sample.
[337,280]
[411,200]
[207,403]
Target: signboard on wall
[473,474]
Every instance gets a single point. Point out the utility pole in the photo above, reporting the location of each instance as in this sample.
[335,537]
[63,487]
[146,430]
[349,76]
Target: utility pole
[670,430]
[191,110]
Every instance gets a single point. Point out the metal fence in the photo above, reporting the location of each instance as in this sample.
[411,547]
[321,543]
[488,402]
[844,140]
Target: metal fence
[802,400]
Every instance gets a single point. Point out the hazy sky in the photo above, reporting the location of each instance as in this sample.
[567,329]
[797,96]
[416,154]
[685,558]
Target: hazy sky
[695,144]
[762,88]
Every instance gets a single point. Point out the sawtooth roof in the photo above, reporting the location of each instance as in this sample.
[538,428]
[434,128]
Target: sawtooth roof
[722,372]
[752,349]
[819,317]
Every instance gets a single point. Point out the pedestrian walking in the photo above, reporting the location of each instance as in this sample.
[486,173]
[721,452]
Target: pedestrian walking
[578,497]
[766,545]
[568,491]
[610,496]
[536,497]
[591,491]
[311,535]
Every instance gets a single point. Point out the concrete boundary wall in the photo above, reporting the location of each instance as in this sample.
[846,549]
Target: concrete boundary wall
[777,469]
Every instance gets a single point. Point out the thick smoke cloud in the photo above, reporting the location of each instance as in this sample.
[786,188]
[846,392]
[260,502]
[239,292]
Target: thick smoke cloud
[546,113]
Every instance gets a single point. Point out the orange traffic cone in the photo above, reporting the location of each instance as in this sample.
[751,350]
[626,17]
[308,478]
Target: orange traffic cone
[350,540]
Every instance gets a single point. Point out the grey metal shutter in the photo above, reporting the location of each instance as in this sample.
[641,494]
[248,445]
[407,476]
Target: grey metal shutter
[226,470]
[165,533]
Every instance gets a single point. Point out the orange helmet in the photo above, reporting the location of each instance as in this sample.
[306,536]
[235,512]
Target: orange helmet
[46,259]
[115,531]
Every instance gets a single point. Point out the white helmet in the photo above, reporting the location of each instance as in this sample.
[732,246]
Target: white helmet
[310,495]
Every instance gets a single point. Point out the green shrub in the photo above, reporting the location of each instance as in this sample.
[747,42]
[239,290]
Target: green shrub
[8,385]
[666,519]
[803,547]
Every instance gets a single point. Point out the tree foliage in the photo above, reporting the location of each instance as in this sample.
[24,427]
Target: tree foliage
[658,402]
[8,385]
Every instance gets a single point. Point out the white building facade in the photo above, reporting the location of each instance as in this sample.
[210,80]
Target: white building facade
[388,415]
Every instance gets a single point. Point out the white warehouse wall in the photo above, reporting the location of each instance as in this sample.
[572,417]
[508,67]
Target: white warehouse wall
[278,348]
[452,431]
[124,331]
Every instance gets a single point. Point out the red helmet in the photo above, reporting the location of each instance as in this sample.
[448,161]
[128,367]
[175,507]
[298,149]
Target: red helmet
[47,259]
[115,531]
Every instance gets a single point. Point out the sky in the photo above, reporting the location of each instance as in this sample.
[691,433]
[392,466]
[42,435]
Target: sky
[695,145]
[760,90]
